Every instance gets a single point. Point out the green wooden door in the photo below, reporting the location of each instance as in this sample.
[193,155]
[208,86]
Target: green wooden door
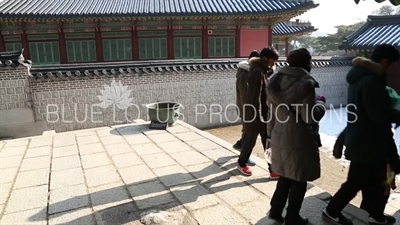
[152,48]
[117,49]
[13,47]
[187,48]
[221,47]
[44,52]
[81,51]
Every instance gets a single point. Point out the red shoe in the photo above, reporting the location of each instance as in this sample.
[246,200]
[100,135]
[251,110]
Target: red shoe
[245,170]
[273,176]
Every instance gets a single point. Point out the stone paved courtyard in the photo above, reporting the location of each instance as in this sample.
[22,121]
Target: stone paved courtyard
[132,175]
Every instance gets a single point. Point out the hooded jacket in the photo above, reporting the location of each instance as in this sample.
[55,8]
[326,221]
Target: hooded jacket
[370,114]
[242,76]
[255,107]
[295,152]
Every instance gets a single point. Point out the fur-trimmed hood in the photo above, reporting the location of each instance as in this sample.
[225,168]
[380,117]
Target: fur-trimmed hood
[244,65]
[262,62]
[257,61]
[289,84]
[366,65]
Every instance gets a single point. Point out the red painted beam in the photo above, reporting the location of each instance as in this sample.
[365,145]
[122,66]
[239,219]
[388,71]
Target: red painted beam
[134,44]
[25,45]
[205,43]
[2,44]
[99,46]
[170,41]
[269,35]
[277,47]
[63,47]
[237,43]
[287,46]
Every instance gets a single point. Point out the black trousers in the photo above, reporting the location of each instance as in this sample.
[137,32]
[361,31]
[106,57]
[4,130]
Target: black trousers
[367,201]
[287,188]
[248,142]
[370,178]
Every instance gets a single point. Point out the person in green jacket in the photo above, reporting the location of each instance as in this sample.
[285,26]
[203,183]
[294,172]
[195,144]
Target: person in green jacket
[368,137]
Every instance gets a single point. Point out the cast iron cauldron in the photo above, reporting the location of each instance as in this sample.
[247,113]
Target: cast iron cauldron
[164,112]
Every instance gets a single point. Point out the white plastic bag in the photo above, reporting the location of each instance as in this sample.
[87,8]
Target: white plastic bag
[268,154]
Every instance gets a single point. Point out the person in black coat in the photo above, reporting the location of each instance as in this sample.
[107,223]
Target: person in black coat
[368,131]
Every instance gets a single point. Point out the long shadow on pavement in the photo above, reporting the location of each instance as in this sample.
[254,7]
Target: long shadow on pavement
[165,193]
[186,188]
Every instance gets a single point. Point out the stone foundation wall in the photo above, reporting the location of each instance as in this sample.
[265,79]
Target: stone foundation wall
[14,88]
[17,117]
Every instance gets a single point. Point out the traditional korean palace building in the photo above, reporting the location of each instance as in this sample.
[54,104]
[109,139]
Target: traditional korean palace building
[76,31]
[377,30]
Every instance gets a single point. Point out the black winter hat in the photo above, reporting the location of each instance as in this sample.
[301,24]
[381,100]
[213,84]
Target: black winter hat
[299,58]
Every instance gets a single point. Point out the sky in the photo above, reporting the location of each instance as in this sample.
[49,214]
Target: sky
[331,13]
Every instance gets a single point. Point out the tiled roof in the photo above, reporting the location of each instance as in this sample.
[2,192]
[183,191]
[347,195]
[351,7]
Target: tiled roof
[13,59]
[394,2]
[94,70]
[139,8]
[283,29]
[377,30]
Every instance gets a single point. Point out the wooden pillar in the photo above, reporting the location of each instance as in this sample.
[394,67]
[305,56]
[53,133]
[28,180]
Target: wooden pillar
[204,38]
[170,41]
[134,44]
[277,47]
[287,47]
[270,35]
[62,44]
[2,43]
[25,46]
[99,46]
[237,43]
[25,42]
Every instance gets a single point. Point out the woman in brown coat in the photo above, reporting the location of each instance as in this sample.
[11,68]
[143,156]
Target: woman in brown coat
[295,154]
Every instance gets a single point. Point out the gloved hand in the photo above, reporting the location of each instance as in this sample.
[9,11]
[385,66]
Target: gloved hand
[321,98]
[268,143]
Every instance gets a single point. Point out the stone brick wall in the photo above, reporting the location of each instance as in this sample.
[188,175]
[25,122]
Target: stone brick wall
[333,85]
[68,98]
[65,104]
[14,88]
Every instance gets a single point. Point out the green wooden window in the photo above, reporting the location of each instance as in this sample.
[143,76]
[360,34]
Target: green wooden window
[115,34]
[45,52]
[12,38]
[152,33]
[187,48]
[223,32]
[118,49]
[42,37]
[152,48]
[221,46]
[13,47]
[81,51]
[79,35]
[187,32]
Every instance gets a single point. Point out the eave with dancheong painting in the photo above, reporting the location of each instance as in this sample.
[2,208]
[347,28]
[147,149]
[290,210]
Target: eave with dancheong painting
[33,26]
